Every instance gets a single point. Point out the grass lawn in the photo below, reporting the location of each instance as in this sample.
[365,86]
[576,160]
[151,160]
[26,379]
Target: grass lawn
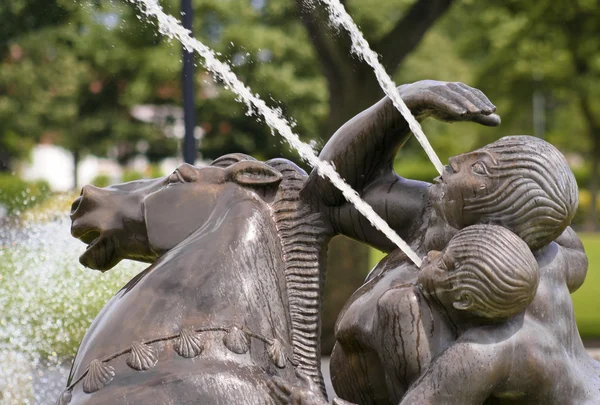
[586,299]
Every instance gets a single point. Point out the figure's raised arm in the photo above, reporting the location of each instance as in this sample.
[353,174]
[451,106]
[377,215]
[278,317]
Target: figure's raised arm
[363,152]
[364,148]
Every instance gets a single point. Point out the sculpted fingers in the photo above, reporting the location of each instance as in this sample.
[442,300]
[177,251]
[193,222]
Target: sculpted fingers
[450,102]
[475,96]
[456,97]
[473,104]
[442,104]
[492,120]
[480,95]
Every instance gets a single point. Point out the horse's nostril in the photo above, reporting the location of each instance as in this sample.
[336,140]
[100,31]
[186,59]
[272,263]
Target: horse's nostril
[76,205]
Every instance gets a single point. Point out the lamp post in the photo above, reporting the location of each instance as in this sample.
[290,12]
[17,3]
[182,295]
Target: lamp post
[187,84]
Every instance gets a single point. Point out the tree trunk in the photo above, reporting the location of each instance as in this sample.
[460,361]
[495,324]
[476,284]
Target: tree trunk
[5,163]
[348,260]
[347,267]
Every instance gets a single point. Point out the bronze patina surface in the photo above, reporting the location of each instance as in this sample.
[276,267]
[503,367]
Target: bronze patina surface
[232,297]
[407,336]
[229,300]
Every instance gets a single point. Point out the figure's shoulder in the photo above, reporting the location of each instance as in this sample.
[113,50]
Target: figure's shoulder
[567,246]
[396,265]
[382,293]
[564,261]
[398,299]
[357,316]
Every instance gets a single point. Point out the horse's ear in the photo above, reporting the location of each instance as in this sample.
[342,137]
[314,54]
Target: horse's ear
[253,174]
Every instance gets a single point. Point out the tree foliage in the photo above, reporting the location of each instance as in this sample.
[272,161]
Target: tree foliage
[549,49]
[72,79]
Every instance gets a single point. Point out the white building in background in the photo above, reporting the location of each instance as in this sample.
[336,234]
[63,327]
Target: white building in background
[50,163]
[91,167]
[55,164]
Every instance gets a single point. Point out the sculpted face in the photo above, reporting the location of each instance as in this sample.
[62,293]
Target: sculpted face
[466,176]
[435,268]
[141,220]
[486,272]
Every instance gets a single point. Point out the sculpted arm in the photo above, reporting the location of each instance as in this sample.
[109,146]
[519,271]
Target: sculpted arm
[363,151]
[362,148]
[575,257]
[464,374]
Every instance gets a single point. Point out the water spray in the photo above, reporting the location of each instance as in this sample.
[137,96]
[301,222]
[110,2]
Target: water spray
[170,27]
[339,17]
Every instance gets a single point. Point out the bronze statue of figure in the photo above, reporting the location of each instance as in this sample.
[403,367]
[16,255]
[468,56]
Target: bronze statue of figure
[386,339]
[479,286]
[233,293]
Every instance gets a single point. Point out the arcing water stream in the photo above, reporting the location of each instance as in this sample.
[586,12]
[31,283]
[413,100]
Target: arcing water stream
[340,18]
[170,26]
[47,301]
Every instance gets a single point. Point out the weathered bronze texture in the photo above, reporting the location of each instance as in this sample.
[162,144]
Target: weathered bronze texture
[232,297]
[393,346]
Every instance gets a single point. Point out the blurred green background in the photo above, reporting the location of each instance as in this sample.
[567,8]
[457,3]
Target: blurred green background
[74,73]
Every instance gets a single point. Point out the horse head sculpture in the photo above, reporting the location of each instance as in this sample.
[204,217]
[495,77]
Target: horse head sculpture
[232,296]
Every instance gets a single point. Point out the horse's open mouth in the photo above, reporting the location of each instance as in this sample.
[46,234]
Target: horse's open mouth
[100,254]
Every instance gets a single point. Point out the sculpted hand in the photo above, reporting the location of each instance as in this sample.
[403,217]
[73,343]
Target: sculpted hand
[285,393]
[451,102]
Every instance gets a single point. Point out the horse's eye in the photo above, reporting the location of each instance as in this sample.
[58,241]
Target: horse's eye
[175,177]
[480,169]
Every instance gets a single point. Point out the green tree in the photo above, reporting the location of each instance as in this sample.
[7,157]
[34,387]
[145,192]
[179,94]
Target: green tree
[71,74]
[22,89]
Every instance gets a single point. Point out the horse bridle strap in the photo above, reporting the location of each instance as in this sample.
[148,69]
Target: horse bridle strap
[188,344]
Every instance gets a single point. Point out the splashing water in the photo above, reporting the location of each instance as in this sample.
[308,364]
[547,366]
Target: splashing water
[170,26]
[340,18]
[47,302]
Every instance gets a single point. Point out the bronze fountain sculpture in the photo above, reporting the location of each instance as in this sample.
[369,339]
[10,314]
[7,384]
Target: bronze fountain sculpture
[231,296]
[229,310]
[393,348]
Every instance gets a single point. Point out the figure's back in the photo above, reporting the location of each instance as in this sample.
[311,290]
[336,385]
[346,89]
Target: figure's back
[386,335]
[552,304]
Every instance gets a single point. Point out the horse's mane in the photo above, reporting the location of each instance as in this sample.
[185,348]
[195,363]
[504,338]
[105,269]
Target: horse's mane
[302,234]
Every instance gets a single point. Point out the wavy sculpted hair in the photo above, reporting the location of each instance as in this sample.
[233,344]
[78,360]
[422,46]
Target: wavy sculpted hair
[537,194]
[495,275]
[302,234]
